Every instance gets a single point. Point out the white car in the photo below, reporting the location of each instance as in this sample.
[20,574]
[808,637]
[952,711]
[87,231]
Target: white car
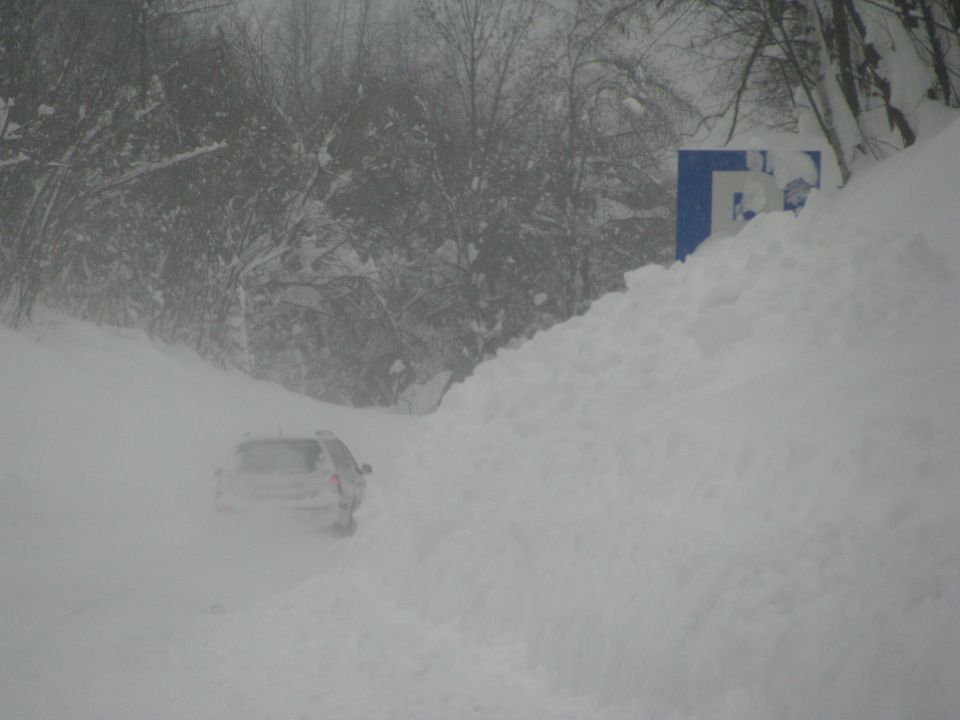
[303,472]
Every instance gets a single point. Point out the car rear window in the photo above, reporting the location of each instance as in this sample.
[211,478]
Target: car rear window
[263,456]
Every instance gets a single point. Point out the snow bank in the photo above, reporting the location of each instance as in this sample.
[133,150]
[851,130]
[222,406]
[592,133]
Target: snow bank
[730,491]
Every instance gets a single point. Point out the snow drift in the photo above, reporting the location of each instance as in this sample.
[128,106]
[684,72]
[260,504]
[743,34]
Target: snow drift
[731,491]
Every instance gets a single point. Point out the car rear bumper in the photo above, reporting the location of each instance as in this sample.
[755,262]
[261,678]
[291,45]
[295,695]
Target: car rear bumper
[325,504]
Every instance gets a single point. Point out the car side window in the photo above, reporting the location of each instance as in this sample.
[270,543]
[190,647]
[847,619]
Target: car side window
[341,457]
[350,460]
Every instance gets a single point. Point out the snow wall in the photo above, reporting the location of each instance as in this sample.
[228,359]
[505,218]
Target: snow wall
[731,491]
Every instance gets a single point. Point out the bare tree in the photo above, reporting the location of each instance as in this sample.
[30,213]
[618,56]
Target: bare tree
[619,114]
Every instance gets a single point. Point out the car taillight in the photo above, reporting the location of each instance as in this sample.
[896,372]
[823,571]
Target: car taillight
[335,481]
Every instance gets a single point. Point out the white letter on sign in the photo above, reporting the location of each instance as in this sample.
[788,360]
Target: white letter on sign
[738,195]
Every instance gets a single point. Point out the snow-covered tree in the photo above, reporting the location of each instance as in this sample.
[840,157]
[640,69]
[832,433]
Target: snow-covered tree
[855,71]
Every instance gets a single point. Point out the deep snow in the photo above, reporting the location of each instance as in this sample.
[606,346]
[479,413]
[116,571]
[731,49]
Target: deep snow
[729,492]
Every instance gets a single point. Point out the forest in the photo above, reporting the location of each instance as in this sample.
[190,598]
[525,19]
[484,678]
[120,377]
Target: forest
[350,197]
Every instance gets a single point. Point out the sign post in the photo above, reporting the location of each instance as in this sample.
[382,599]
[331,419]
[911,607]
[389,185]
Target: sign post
[718,191]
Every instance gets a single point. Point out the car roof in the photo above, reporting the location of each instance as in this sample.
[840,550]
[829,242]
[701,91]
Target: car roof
[318,435]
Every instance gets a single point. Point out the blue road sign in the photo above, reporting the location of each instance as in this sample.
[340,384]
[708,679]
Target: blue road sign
[718,191]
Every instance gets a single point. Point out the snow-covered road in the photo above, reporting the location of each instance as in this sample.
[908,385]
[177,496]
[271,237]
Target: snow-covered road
[144,629]
[93,616]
